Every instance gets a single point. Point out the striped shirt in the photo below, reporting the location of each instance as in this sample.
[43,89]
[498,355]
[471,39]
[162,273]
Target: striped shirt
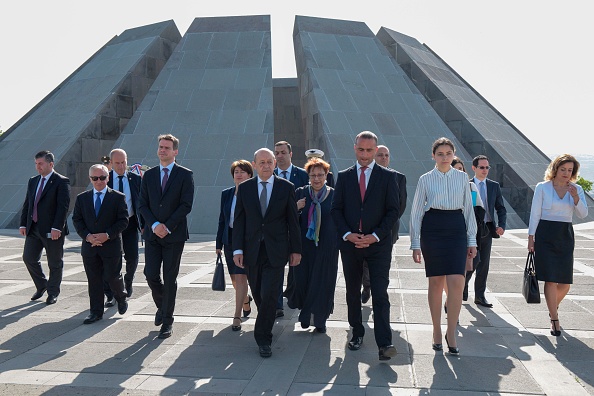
[444,191]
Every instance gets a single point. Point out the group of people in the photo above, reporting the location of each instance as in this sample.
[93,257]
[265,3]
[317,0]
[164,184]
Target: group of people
[277,213]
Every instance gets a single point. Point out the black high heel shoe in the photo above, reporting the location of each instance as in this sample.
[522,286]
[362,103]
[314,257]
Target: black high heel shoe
[437,347]
[248,312]
[236,327]
[554,331]
[452,350]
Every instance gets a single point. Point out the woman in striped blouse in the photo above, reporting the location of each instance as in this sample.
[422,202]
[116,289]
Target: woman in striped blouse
[443,231]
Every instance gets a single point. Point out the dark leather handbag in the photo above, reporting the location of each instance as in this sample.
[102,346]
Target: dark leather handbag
[530,286]
[218,280]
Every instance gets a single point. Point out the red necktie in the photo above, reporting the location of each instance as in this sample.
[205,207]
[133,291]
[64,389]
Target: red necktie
[362,189]
[39,191]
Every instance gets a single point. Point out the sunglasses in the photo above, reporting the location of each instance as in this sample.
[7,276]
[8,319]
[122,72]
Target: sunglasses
[484,167]
[95,178]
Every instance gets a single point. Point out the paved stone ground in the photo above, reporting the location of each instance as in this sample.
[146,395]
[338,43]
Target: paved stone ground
[505,350]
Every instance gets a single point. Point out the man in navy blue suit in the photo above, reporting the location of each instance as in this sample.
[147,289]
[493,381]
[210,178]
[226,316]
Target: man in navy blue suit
[283,154]
[365,208]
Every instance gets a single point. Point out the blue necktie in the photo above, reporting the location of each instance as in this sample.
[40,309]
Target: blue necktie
[97,204]
[483,192]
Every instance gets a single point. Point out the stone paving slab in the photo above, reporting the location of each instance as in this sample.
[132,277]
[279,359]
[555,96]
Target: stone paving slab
[504,350]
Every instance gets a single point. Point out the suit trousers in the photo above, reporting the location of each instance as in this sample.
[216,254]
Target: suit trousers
[378,260]
[164,291]
[130,246]
[54,250]
[265,281]
[480,266]
[97,269]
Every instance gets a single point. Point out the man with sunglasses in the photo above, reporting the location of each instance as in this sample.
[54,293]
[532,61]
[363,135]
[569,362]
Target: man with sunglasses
[491,195]
[100,215]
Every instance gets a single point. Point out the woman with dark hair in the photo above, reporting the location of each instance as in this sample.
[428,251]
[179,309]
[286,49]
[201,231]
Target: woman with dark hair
[443,231]
[240,170]
[550,233]
[315,277]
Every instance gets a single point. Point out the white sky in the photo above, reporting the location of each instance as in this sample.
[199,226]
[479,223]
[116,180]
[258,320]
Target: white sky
[531,59]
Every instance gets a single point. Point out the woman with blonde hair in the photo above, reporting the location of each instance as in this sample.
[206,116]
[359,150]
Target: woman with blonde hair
[550,232]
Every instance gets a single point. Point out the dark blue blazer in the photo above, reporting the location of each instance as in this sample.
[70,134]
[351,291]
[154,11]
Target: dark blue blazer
[495,202]
[134,182]
[298,176]
[225,217]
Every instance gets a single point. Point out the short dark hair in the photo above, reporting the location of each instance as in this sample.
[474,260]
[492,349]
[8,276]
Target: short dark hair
[476,159]
[366,135]
[244,165]
[457,161]
[45,154]
[442,141]
[317,163]
[284,143]
[171,138]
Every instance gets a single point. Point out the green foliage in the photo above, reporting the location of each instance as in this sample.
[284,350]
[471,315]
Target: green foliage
[585,184]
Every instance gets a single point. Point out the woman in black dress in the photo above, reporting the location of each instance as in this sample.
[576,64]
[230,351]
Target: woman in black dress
[315,277]
[550,233]
[443,229]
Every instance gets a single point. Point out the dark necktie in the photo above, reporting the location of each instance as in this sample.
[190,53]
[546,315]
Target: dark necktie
[483,192]
[284,175]
[362,189]
[165,178]
[121,185]
[39,191]
[263,198]
[97,204]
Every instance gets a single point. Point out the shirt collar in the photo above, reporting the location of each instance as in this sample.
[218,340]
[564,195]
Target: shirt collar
[170,167]
[47,176]
[125,174]
[477,181]
[288,170]
[104,191]
[270,180]
[370,166]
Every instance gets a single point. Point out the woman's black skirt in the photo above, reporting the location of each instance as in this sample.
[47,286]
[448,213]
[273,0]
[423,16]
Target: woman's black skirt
[553,251]
[231,267]
[443,242]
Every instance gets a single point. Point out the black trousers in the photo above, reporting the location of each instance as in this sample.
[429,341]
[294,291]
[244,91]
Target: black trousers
[164,291]
[480,266]
[54,250]
[378,260]
[130,246]
[265,281]
[98,268]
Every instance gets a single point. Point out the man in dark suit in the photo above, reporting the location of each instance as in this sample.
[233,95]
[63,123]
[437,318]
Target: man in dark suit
[265,236]
[382,157]
[127,183]
[493,200]
[166,197]
[43,223]
[100,215]
[365,208]
[283,154]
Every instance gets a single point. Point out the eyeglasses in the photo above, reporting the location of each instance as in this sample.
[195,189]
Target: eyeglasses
[95,178]
[317,176]
[484,167]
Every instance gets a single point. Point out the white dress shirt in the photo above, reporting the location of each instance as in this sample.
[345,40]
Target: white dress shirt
[126,188]
[547,205]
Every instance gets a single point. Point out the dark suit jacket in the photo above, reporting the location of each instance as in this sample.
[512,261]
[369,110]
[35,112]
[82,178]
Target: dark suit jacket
[298,176]
[134,181]
[379,210]
[52,207]
[401,181]
[495,202]
[279,227]
[225,217]
[112,219]
[169,207]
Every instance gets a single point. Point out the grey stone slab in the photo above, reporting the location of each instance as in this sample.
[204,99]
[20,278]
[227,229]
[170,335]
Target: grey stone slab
[219,78]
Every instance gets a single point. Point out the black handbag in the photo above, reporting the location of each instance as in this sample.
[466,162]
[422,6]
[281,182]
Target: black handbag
[530,286]
[218,279]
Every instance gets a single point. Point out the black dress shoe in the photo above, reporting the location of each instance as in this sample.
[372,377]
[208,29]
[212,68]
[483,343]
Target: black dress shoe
[387,352]
[92,318]
[38,294]
[365,295]
[122,306]
[129,289]
[51,299]
[110,302]
[355,343]
[159,318]
[166,331]
[483,302]
[265,351]
[280,313]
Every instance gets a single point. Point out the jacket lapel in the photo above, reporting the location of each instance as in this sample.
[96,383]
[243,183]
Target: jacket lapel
[373,180]
[47,187]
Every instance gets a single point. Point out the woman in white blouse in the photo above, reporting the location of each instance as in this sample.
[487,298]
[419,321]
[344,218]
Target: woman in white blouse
[550,233]
[443,231]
